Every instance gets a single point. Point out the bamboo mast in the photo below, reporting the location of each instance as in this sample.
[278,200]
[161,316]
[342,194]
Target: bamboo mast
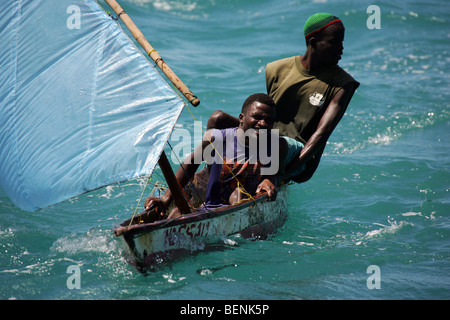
[174,186]
[139,36]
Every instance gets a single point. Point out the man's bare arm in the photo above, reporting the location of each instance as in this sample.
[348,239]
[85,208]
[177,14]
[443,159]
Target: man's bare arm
[327,124]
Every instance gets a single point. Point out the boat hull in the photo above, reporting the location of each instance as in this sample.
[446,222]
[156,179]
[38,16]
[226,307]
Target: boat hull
[151,243]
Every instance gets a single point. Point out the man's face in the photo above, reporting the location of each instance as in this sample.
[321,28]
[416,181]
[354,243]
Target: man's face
[329,47]
[258,116]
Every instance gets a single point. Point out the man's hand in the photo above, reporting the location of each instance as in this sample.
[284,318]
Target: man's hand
[267,186]
[155,203]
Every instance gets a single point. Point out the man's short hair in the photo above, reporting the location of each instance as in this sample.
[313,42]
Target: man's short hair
[259,97]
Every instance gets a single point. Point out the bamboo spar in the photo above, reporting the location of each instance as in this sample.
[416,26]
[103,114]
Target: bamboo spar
[139,36]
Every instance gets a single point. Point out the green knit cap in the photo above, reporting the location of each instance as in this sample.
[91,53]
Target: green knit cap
[319,21]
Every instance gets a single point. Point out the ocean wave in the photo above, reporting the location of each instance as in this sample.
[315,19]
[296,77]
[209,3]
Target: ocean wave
[392,227]
[169,5]
[92,241]
[367,131]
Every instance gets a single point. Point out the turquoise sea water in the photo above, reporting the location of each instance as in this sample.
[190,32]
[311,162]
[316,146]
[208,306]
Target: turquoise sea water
[381,196]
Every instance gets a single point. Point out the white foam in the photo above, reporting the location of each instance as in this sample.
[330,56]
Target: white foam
[89,242]
[386,229]
[299,243]
[410,214]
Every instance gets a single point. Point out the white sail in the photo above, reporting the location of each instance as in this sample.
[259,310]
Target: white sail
[80,106]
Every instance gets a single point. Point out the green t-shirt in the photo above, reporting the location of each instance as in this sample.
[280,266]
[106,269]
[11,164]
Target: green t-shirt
[302,96]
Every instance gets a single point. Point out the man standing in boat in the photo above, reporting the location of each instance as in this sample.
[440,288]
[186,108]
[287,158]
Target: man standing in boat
[241,160]
[311,93]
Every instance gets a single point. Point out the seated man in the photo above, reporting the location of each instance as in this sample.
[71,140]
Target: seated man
[240,160]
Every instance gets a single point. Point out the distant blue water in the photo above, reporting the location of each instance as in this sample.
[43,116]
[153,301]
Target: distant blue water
[381,195]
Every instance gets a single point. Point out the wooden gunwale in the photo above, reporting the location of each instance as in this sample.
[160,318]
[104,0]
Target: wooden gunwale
[198,215]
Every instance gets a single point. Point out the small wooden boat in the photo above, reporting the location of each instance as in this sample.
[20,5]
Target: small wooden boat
[153,242]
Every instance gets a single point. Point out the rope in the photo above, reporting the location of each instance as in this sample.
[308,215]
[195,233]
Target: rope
[139,201]
[194,97]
